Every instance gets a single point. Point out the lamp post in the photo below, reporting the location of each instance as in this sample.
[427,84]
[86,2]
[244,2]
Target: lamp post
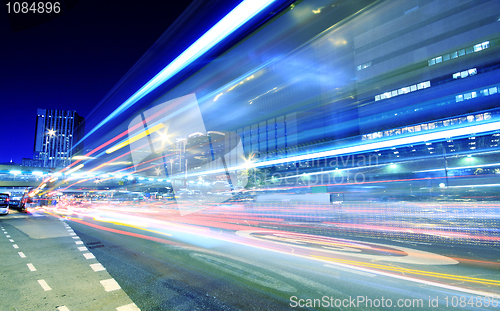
[445,170]
[50,133]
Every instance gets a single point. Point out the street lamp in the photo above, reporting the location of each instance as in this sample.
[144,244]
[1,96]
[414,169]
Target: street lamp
[50,133]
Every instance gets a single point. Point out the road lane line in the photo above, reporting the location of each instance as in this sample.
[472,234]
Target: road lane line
[130,307]
[11,240]
[79,242]
[22,254]
[412,279]
[82,248]
[44,285]
[15,246]
[8,236]
[89,256]
[76,237]
[97,267]
[5,232]
[72,233]
[110,285]
[62,308]
[31,267]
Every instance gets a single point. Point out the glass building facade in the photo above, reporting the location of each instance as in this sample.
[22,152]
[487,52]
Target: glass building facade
[55,135]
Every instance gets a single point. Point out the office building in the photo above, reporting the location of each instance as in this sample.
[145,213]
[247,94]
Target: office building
[56,133]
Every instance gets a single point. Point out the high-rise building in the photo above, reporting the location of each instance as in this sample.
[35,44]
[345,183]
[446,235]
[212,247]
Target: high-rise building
[56,133]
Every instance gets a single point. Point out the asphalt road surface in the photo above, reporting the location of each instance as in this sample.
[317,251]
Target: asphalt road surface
[248,258]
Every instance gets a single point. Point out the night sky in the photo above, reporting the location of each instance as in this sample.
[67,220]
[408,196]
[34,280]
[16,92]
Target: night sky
[72,61]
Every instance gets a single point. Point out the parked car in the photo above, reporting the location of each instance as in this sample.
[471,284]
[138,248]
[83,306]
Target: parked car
[4,203]
[15,203]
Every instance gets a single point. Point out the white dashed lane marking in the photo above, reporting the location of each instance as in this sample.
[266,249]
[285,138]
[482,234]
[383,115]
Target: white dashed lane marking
[130,307]
[110,285]
[44,285]
[97,267]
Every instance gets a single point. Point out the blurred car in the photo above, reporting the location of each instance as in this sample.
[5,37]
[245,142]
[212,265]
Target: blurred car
[4,203]
[24,203]
[15,203]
